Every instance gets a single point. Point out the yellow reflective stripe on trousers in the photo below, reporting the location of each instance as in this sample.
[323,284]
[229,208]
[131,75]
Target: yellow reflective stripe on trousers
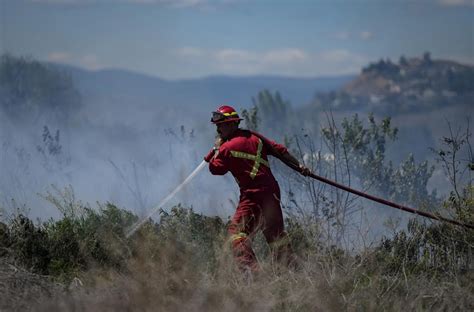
[238,236]
[257,158]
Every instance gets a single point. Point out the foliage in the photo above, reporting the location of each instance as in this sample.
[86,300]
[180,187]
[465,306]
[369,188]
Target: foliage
[440,249]
[353,153]
[29,89]
[450,156]
[179,258]
[4,238]
[51,151]
[85,238]
[365,150]
[186,252]
[64,247]
[269,112]
[384,67]
[201,234]
[251,118]
[29,244]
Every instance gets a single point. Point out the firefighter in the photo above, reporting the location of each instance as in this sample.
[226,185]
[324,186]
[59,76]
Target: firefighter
[245,154]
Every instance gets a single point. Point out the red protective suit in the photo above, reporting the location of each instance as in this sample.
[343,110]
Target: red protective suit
[245,155]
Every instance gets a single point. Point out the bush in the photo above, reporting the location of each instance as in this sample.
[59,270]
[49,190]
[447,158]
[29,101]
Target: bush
[64,248]
[77,242]
[439,250]
[4,239]
[29,245]
[183,257]
[200,234]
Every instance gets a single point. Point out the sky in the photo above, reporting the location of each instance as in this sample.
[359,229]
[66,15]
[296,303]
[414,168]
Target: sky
[180,39]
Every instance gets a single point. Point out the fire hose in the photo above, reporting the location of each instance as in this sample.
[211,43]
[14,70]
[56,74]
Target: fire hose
[379,200]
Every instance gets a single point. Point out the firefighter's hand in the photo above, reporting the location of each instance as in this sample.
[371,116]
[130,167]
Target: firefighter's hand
[304,170]
[210,155]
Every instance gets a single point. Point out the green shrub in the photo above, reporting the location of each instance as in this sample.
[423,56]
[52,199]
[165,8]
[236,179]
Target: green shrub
[185,247]
[64,248]
[437,250]
[200,234]
[4,239]
[96,238]
[29,245]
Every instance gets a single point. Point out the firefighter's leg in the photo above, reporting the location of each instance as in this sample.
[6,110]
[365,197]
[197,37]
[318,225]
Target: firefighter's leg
[241,231]
[273,229]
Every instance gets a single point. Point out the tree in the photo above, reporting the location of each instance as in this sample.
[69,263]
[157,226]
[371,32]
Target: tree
[274,113]
[427,58]
[29,89]
[403,61]
[251,118]
[366,148]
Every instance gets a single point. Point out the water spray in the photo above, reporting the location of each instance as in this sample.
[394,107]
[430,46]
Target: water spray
[139,223]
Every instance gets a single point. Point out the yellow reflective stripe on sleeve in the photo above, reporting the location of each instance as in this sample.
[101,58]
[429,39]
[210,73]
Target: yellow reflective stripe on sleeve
[248,156]
[238,236]
[257,158]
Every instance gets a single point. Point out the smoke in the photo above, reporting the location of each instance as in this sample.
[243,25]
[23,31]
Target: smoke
[134,153]
[131,160]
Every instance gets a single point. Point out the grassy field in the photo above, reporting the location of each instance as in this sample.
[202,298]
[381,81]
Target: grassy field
[184,263]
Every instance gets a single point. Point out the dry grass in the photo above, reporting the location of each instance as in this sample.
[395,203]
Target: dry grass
[172,282]
[185,264]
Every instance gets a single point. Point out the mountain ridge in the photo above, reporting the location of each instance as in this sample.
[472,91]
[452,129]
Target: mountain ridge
[207,91]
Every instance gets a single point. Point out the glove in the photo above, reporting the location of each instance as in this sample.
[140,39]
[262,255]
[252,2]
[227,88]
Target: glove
[304,170]
[209,155]
[214,150]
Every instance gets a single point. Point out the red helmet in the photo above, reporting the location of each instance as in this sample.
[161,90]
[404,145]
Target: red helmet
[225,114]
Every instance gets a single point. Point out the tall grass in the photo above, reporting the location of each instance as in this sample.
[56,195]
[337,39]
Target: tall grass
[184,263]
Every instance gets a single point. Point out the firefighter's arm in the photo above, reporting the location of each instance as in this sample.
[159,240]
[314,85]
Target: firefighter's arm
[215,150]
[218,159]
[219,163]
[281,152]
[292,162]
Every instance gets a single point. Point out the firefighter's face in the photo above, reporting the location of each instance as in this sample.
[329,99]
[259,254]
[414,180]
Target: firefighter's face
[225,129]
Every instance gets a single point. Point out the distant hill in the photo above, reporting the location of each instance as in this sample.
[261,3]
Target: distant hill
[118,96]
[419,93]
[421,96]
[121,87]
[412,85]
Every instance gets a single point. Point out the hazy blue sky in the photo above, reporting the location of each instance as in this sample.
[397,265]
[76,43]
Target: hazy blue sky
[195,38]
